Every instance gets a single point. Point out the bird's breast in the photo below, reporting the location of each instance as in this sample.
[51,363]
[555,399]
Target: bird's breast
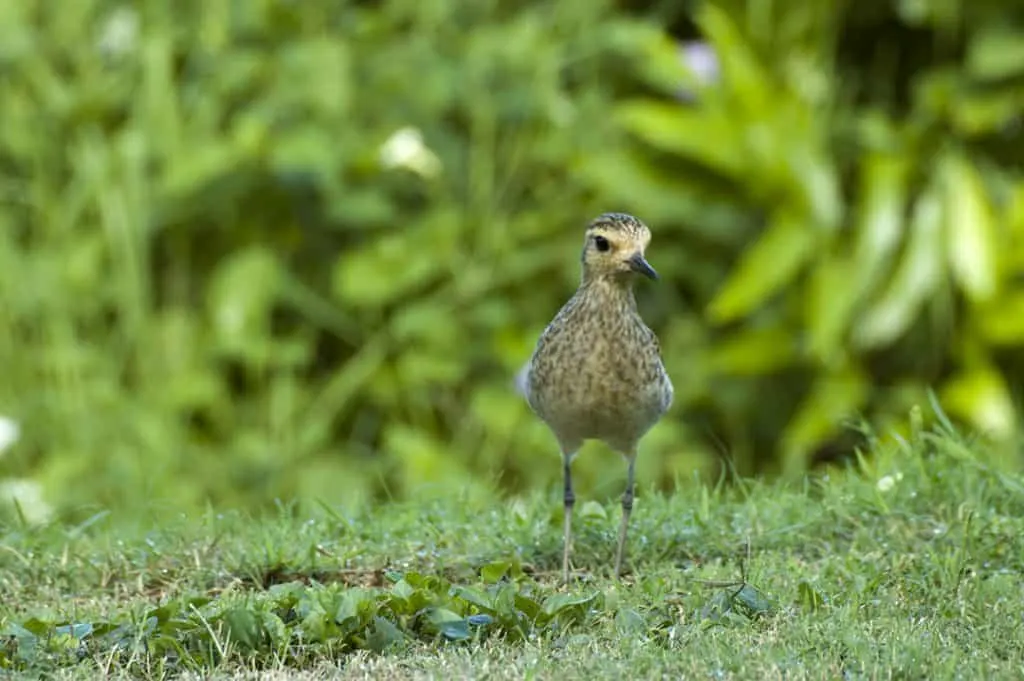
[599,378]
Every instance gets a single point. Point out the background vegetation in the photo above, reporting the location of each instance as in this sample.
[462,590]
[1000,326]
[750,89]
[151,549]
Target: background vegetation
[271,250]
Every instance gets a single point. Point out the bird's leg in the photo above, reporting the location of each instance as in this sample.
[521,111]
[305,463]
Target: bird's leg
[627,508]
[570,500]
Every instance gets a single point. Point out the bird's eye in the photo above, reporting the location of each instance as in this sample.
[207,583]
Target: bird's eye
[601,243]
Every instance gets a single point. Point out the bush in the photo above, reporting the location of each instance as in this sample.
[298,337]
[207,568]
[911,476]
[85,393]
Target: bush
[292,249]
[846,213]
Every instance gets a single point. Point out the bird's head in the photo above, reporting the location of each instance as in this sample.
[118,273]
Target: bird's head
[614,248]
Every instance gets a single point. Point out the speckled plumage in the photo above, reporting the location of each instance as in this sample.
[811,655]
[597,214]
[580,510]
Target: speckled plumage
[597,372]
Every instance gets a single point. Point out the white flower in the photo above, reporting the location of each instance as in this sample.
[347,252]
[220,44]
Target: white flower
[25,496]
[887,482]
[701,61]
[405,149]
[9,433]
[119,34]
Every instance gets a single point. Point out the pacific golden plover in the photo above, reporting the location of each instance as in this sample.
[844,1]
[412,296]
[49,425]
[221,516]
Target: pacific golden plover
[596,372]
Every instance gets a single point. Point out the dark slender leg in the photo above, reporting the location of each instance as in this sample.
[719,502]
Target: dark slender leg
[627,509]
[570,500]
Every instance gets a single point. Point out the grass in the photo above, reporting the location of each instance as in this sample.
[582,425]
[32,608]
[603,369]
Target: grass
[908,567]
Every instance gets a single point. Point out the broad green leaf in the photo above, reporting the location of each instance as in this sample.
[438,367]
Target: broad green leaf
[970,229]
[558,603]
[841,282]
[241,297]
[981,397]
[242,627]
[996,52]
[493,572]
[524,603]
[917,274]
[507,599]
[1001,321]
[457,630]
[594,510]
[286,594]
[753,352]
[106,629]
[417,599]
[752,601]
[315,627]
[403,589]
[75,629]
[705,139]
[747,80]
[274,628]
[769,264]
[1015,219]
[879,221]
[350,604]
[630,176]
[474,597]
[833,290]
[447,623]
[985,113]
[833,399]
[384,635]
[427,582]
[814,180]
[36,626]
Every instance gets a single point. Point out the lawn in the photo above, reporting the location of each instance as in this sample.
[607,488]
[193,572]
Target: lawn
[907,565]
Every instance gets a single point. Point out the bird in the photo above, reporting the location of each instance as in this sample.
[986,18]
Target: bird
[596,372]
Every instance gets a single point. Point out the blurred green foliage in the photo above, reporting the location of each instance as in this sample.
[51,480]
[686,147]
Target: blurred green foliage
[274,249]
[851,188]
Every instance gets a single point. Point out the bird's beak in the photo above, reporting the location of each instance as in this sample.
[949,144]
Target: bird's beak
[641,266]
